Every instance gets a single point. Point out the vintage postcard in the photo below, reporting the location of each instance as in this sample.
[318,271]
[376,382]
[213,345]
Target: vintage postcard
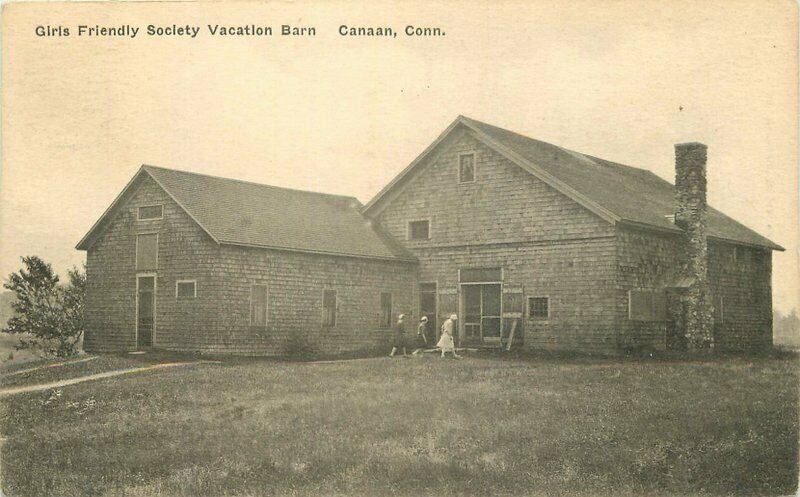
[399,248]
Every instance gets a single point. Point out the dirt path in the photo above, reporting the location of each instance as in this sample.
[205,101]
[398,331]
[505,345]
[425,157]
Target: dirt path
[48,366]
[97,376]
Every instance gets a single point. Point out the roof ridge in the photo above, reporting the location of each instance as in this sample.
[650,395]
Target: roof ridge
[579,155]
[253,183]
[576,154]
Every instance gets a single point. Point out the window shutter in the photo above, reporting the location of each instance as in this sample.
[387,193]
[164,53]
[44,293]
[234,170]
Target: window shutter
[513,301]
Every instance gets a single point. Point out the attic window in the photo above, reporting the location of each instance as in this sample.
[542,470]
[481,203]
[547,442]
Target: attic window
[151,212]
[419,230]
[466,168]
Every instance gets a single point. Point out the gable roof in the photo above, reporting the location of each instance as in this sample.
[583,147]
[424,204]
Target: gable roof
[615,192]
[237,212]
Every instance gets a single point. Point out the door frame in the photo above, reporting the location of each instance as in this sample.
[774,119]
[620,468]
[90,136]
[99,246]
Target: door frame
[461,311]
[436,331]
[136,313]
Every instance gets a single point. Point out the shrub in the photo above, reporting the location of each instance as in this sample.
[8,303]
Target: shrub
[50,312]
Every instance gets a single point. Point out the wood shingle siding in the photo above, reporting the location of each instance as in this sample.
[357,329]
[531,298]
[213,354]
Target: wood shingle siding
[507,218]
[648,260]
[520,218]
[217,320]
[184,252]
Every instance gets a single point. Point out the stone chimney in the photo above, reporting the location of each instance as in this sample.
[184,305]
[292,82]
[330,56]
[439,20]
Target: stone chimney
[697,322]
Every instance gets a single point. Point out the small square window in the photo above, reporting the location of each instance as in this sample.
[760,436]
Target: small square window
[187,289]
[151,212]
[419,230]
[538,307]
[466,168]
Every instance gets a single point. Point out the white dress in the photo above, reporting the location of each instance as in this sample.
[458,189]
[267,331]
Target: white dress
[446,342]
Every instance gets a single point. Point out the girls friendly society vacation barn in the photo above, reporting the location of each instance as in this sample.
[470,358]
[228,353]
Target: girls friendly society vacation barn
[530,244]
[190,31]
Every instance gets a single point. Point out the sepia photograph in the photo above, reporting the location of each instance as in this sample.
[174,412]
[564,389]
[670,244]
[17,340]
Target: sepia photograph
[442,248]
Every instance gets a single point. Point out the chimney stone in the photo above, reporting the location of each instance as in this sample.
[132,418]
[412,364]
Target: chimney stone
[691,216]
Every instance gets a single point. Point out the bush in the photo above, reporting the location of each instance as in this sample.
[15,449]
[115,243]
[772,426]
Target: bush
[50,312]
[298,345]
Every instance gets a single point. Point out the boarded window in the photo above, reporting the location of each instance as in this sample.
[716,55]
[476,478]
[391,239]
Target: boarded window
[477,275]
[146,252]
[647,305]
[386,309]
[419,230]
[538,307]
[186,289]
[329,308]
[151,212]
[466,168]
[259,303]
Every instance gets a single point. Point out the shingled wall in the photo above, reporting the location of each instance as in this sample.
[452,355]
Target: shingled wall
[296,282]
[649,260]
[185,251]
[217,320]
[742,276]
[545,243]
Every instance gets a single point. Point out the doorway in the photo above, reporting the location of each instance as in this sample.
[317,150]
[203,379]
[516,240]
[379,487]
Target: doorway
[427,308]
[482,310]
[145,310]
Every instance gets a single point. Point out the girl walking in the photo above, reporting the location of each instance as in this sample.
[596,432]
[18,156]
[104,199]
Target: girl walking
[446,341]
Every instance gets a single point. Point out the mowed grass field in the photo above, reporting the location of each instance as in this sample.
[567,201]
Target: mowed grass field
[485,425]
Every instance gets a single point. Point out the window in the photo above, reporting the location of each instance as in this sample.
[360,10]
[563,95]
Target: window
[151,212]
[538,307]
[146,251]
[647,305]
[259,295]
[466,168]
[419,230]
[386,309]
[186,288]
[329,308]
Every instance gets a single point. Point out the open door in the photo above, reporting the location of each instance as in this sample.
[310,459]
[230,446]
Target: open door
[427,308]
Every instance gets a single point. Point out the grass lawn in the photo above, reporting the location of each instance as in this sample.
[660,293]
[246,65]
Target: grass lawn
[485,425]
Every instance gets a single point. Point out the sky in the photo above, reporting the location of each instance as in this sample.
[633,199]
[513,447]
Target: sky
[621,80]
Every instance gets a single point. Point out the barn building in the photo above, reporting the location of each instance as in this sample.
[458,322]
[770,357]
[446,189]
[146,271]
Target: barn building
[532,245]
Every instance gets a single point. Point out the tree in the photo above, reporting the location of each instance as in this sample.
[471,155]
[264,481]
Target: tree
[51,313]
[786,328]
